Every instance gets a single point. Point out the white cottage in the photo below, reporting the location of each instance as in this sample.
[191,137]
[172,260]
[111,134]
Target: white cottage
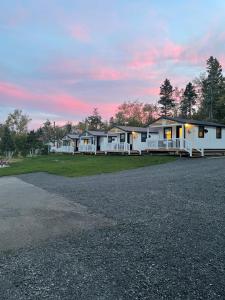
[193,137]
[91,141]
[68,144]
[127,139]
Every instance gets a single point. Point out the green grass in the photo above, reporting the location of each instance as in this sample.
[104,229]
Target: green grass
[81,165]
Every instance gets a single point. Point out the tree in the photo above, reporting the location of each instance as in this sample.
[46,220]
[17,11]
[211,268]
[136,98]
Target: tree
[7,144]
[134,113]
[188,101]
[32,142]
[47,132]
[17,122]
[220,108]
[177,96]
[68,128]
[150,113]
[212,89]
[166,98]
[94,121]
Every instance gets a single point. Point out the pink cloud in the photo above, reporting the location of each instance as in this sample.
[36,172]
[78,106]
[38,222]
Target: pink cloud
[156,54]
[80,33]
[60,103]
[106,73]
[14,91]
[54,102]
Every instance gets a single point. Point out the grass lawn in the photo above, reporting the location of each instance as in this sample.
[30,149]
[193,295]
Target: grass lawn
[81,165]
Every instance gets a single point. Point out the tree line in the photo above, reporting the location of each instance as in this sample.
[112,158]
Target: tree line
[203,98]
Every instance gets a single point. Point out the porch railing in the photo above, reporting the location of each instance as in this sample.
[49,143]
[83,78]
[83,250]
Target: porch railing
[172,144]
[116,147]
[87,148]
[63,149]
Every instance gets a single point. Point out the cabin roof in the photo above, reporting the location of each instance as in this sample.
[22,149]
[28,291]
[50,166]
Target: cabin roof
[71,136]
[136,129]
[131,128]
[191,121]
[94,133]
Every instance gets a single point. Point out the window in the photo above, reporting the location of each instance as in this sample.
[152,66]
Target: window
[168,133]
[201,132]
[218,132]
[109,139]
[143,137]
[122,137]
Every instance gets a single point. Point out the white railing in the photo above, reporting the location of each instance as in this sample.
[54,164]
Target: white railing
[87,148]
[175,144]
[63,149]
[116,147]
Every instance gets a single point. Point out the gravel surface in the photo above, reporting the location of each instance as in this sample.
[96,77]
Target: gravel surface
[166,241]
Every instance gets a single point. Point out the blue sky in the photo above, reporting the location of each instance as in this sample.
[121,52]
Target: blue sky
[60,59]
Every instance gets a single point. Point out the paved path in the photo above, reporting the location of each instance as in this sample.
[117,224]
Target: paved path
[151,233]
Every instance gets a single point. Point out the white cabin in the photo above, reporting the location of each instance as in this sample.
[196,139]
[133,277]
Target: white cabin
[190,136]
[68,144]
[91,141]
[127,139]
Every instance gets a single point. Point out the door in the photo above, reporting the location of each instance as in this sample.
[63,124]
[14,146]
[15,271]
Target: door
[179,133]
[98,143]
[76,145]
[130,140]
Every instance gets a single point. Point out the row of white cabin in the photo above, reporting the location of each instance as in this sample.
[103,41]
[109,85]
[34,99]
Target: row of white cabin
[167,134]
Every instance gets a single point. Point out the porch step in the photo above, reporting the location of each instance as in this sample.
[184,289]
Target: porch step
[196,153]
[134,152]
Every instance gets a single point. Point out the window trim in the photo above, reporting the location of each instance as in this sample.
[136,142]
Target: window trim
[203,131]
[122,140]
[144,137]
[164,132]
[220,132]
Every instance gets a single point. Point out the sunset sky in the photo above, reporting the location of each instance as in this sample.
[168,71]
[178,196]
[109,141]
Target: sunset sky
[61,58]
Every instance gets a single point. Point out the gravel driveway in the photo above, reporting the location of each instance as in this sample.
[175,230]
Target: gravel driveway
[158,233]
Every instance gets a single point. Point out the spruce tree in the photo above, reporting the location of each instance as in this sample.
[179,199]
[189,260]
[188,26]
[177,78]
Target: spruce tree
[7,143]
[188,101]
[166,98]
[212,88]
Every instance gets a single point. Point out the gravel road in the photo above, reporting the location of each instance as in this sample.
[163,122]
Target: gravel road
[161,236]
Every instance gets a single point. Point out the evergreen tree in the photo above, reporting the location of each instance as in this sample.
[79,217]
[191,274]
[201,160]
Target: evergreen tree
[188,101]
[212,89]
[95,121]
[7,143]
[166,98]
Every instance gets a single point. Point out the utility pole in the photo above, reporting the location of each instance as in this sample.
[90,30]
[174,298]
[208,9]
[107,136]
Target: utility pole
[54,134]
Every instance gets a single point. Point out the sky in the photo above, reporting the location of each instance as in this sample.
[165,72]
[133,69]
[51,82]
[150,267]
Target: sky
[61,58]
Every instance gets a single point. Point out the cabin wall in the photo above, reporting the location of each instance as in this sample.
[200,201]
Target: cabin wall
[209,141]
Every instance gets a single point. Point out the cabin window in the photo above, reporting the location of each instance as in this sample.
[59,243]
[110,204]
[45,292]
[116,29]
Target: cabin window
[143,137]
[168,133]
[109,139]
[86,141]
[201,132]
[218,132]
[122,137]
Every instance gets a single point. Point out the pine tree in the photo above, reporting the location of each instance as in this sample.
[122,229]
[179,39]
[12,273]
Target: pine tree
[7,143]
[166,98]
[212,88]
[188,101]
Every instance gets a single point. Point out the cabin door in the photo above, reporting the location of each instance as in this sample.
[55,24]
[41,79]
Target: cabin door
[98,143]
[76,145]
[130,140]
[179,133]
